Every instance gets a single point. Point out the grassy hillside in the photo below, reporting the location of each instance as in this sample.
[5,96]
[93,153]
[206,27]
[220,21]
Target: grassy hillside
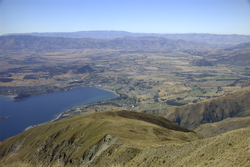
[216,128]
[122,138]
[228,149]
[235,55]
[238,59]
[235,104]
[113,137]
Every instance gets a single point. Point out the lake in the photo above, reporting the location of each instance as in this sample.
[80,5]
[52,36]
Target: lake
[44,108]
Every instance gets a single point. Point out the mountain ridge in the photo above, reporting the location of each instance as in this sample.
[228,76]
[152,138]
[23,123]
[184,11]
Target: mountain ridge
[235,104]
[20,42]
[227,39]
[91,138]
[55,147]
[235,55]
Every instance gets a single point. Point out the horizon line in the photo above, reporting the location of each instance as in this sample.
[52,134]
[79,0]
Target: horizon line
[116,31]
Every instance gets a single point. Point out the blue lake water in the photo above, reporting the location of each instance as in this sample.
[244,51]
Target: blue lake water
[44,108]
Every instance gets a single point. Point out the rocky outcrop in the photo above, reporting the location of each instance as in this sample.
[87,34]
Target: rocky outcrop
[106,144]
[13,150]
[51,152]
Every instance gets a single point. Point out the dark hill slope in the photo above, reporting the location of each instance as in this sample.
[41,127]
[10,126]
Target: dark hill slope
[21,42]
[242,46]
[200,62]
[84,69]
[96,138]
[231,105]
[242,59]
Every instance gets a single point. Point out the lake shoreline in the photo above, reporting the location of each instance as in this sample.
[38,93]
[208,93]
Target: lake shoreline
[13,97]
[47,107]
[9,96]
[61,115]
[108,90]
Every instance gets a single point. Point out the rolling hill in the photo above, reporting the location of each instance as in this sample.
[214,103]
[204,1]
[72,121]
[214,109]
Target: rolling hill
[235,104]
[242,59]
[235,55]
[122,138]
[228,124]
[228,149]
[95,138]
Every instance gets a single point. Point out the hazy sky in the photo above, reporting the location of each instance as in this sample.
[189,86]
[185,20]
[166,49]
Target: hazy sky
[148,16]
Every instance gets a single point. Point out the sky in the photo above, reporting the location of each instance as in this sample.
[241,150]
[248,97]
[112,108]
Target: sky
[139,16]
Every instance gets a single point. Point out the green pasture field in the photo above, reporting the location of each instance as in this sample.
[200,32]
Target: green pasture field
[155,68]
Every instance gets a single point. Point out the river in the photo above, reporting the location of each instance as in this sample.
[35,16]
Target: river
[44,108]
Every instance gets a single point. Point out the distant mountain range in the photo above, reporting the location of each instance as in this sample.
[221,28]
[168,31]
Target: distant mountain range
[19,42]
[235,55]
[226,40]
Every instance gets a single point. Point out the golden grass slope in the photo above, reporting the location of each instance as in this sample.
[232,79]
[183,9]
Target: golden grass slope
[92,138]
[235,104]
[216,128]
[228,149]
